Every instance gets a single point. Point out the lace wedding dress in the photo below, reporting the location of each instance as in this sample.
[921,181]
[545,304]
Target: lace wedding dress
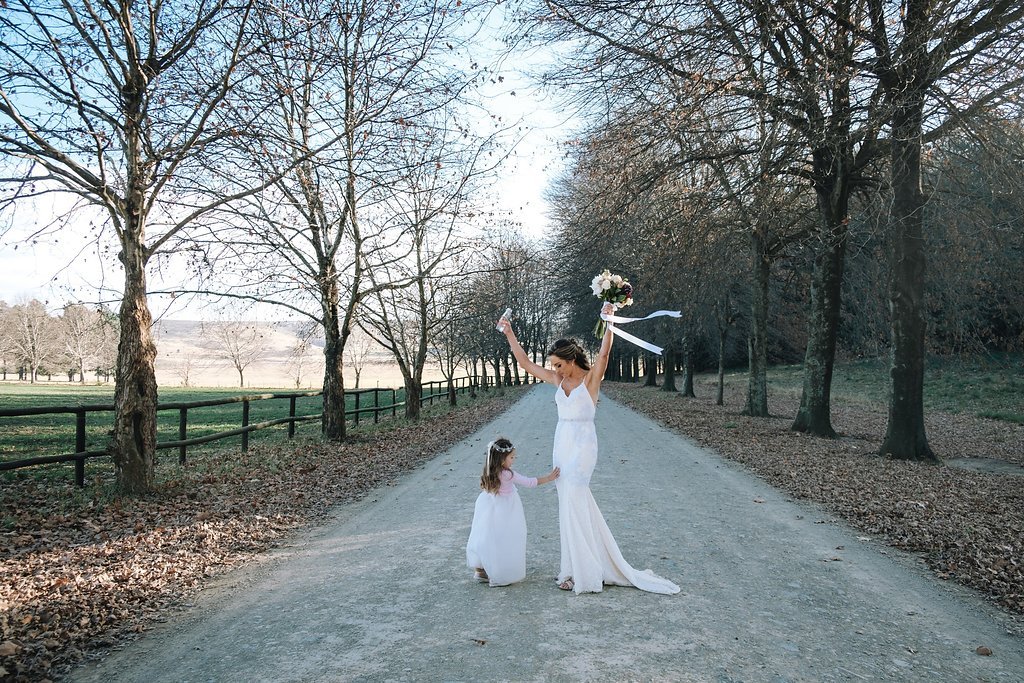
[590,555]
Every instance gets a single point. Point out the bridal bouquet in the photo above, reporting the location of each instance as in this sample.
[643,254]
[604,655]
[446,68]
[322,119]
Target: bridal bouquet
[613,289]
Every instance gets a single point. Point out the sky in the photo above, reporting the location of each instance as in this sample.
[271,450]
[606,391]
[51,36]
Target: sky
[58,272]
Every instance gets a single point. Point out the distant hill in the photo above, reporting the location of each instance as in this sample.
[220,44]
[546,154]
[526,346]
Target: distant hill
[186,349]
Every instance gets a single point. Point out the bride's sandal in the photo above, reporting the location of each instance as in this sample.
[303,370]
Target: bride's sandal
[567,585]
[481,576]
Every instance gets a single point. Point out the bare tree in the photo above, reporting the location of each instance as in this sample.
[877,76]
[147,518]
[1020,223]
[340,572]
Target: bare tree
[241,344]
[107,351]
[357,353]
[32,333]
[449,348]
[83,332]
[299,353]
[928,52]
[782,72]
[840,76]
[186,367]
[113,102]
[7,349]
[358,80]
[506,271]
[428,204]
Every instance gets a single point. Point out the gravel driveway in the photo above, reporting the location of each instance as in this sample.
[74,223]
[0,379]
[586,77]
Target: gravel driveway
[772,589]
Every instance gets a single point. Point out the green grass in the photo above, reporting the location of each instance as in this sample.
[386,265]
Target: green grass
[989,386]
[33,436]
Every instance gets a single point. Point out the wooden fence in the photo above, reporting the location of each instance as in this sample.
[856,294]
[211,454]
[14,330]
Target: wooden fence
[437,389]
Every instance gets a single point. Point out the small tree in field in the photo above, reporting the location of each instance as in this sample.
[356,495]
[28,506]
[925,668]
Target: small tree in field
[357,353]
[241,344]
[33,338]
[83,332]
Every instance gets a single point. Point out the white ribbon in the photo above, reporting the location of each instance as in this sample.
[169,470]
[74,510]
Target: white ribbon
[636,340]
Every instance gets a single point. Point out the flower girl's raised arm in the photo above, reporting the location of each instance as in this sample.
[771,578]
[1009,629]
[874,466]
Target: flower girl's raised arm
[524,361]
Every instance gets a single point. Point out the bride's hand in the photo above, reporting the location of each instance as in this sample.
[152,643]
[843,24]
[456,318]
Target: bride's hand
[607,309]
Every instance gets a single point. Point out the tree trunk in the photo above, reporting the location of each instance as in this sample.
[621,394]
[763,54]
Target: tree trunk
[814,415]
[669,383]
[499,385]
[133,442]
[757,342]
[687,368]
[332,423]
[720,396]
[241,379]
[413,393]
[650,371]
[905,437]
[452,398]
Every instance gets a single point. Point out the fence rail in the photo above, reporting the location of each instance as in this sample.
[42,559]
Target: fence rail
[427,395]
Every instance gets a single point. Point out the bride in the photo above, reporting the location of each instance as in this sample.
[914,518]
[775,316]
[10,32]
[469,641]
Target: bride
[590,556]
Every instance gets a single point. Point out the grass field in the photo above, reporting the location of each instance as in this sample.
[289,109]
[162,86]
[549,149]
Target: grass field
[991,387]
[33,436]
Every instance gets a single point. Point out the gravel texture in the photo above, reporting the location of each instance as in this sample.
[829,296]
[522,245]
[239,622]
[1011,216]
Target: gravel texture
[773,589]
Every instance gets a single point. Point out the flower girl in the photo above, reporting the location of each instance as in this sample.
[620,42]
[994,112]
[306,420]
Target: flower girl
[497,539]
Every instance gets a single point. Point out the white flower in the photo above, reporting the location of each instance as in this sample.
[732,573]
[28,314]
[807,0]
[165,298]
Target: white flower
[617,280]
[606,284]
[595,286]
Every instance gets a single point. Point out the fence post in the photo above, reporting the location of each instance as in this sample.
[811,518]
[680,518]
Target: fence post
[376,405]
[394,401]
[291,414]
[245,423]
[182,434]
[80,447]
[357,395]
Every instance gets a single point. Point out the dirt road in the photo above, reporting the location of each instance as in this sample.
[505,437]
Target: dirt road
[772,590]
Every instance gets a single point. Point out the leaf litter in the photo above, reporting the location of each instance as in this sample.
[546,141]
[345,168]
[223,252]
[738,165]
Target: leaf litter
[968,526]
[86,570]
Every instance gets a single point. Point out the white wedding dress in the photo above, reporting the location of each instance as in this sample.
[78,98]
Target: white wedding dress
[590,555]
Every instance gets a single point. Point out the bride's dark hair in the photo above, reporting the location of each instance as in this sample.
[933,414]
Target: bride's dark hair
[570,349]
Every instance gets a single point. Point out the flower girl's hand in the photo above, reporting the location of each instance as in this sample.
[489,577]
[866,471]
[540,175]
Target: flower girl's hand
[554,474]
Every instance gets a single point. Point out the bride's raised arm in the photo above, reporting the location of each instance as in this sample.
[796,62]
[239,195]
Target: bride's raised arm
[524,361]
[597,370]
